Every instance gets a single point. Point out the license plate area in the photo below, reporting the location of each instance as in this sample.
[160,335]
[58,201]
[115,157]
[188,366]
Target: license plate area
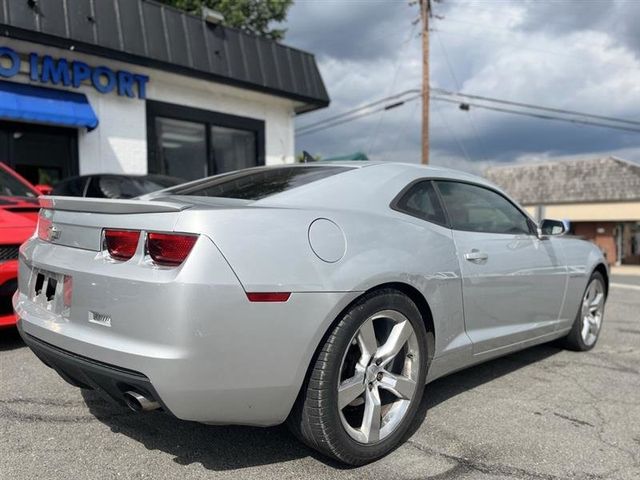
[51,291]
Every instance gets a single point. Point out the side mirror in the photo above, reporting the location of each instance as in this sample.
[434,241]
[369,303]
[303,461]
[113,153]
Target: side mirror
[44,189]
[552,227]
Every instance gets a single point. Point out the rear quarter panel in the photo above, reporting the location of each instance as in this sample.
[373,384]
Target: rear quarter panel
[268,249]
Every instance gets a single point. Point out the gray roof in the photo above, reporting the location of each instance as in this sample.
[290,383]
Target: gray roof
[593,180]
[146,33]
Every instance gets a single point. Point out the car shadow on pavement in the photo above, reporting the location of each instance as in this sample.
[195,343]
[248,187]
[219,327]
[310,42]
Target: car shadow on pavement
[10,339]
[469,378]
[234,447]
[215,447]
[448,387]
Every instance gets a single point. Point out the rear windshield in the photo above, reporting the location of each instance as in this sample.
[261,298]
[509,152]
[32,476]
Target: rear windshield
[255,184]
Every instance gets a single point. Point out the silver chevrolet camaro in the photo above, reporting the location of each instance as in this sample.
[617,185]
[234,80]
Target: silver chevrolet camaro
[323,295]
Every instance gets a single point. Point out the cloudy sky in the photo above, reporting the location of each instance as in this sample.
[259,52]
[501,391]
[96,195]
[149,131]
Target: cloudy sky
[578,55]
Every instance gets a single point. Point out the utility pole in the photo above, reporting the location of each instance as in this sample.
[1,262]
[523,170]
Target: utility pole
[425,13]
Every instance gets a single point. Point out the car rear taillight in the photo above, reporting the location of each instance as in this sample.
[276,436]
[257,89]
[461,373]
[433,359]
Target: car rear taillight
[121,244]
[170,249]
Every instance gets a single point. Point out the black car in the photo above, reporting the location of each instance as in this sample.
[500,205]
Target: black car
[113,185]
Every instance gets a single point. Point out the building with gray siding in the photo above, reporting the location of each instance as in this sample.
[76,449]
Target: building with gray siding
[599,197]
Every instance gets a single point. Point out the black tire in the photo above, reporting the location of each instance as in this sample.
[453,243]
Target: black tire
[574,340]
[315,418]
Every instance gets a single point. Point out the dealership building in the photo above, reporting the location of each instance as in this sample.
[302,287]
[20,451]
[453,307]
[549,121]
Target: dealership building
[132,86]
[598,197]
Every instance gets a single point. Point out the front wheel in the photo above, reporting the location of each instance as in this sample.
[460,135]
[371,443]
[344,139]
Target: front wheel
[366,382]
[588,322]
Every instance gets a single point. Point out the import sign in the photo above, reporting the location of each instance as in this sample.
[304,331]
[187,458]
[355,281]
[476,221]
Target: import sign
[60,71]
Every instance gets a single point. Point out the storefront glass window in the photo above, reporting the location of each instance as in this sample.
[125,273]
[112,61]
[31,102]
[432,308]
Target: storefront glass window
[192,143]
[232,149]
[42,154]
[182,147]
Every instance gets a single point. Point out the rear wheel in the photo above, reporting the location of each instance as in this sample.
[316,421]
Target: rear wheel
[366,382]
[586,327]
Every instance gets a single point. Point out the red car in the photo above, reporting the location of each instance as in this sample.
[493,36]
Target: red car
[18,219]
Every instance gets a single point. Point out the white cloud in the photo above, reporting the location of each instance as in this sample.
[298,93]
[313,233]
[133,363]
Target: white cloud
[510,50]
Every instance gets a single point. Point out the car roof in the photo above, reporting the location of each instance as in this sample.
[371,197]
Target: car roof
[364,185]
[418,169]
[367,186]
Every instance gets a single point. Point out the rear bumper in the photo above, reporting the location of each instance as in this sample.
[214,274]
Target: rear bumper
[209,354]
[111,381]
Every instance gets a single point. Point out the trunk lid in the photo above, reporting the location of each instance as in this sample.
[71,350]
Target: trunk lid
[78,222]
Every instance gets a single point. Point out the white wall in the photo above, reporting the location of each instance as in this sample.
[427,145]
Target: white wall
[119,144]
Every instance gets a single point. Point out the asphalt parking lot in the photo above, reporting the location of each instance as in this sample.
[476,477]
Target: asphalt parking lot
[543,413]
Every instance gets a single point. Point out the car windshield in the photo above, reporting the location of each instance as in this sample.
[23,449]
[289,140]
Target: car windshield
[255,184]
[12,187]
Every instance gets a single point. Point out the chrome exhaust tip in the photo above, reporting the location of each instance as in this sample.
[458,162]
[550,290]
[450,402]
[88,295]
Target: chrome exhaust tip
[139,403]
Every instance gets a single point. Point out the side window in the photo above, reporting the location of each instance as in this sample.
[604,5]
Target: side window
[113,186]
[421,200]
[478,209]
[120,187]
[94,190]
[73,187]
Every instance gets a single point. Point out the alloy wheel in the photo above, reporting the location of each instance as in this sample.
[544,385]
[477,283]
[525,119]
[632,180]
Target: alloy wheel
[378,376]
[592,311]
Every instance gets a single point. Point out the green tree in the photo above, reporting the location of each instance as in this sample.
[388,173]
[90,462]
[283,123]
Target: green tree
[253,16]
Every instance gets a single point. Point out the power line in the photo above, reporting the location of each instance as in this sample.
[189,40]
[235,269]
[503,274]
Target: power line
[457,84]
[539,115]
[351,118]
[536,107]
[453,134]
[374,132]
[357,109]
[570,116]
[403,135]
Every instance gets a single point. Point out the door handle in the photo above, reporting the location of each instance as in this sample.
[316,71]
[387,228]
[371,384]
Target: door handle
[476,256]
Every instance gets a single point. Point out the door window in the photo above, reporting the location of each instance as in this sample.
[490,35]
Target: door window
[421,201]
[73,187]
[477,209]
[93,189]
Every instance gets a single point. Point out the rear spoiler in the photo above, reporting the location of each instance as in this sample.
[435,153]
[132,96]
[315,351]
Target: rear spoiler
[100,205]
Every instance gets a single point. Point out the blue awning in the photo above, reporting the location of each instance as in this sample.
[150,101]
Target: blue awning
[27,103]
